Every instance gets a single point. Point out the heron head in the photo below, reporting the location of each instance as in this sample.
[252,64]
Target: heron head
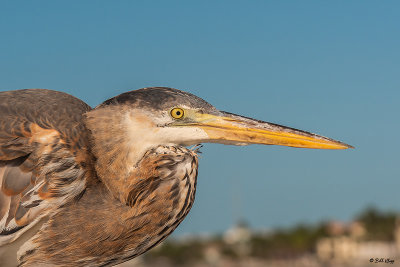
[163,116]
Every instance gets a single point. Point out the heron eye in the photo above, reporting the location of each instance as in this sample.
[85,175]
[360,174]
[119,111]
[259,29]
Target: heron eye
[177,113]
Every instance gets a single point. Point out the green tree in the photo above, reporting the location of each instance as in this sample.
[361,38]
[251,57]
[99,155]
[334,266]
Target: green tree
[379,225]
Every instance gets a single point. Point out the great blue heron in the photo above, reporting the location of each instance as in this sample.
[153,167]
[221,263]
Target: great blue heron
[82,186]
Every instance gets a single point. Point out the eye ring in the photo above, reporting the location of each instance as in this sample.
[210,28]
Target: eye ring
[177,113]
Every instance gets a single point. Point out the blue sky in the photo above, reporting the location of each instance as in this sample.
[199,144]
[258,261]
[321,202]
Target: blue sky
[328,67]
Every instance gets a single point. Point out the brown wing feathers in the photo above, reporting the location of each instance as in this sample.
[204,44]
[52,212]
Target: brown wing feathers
[10,185]
[42,154]
[14,183]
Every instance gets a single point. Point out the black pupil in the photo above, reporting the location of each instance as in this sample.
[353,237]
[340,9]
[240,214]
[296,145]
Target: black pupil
[178,113]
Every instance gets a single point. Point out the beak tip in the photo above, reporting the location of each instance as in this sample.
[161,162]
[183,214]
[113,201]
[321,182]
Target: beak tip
[345,146]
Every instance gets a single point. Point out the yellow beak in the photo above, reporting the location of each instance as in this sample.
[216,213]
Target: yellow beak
[229,128]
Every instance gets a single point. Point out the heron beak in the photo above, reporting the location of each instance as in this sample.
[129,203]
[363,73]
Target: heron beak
[233,129]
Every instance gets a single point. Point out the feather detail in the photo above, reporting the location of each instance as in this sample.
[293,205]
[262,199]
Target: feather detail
[156,203]
[43,151]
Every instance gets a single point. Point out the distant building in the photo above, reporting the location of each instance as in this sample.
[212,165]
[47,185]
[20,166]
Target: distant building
[347,245]
[239,233]
[238,237]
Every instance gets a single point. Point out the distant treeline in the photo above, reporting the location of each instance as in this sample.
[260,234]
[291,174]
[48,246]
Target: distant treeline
[281,243]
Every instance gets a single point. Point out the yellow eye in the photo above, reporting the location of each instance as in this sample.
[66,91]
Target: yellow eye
[177,113]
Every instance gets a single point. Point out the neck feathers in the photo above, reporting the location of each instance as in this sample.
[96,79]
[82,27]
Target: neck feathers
[117,153]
